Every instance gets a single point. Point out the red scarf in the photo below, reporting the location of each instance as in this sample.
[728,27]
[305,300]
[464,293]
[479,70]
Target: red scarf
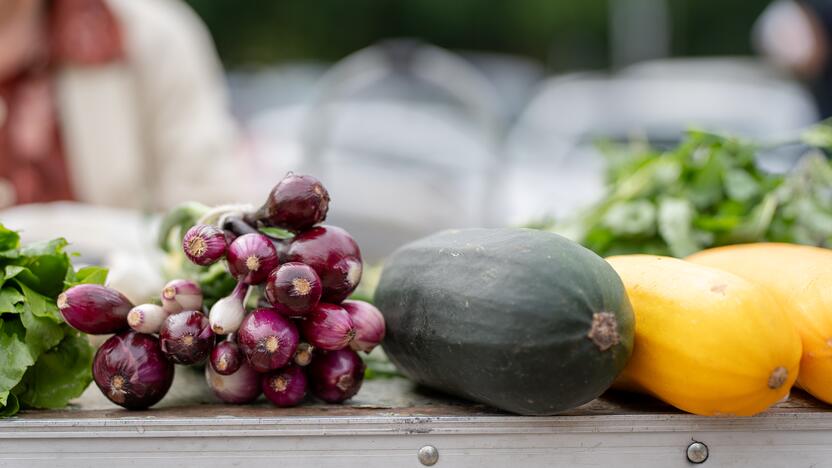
[32,164]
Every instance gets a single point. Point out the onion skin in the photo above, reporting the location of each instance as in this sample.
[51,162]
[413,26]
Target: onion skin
[238,388]
[226,357]
[131,370]
[368,323]
[336,375]
[227,314]
[94,309]
[294,286]
[251,257]
[285,387]
[146,318]
[181,294]
[296,203]
[186,337]
[335,257]
[204,244]
[328,327]
[267,339]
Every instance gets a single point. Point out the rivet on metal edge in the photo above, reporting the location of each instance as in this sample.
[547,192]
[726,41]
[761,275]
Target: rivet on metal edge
[428,455]
[697,452]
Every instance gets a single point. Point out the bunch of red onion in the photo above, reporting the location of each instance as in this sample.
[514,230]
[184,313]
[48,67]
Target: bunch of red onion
[303,338]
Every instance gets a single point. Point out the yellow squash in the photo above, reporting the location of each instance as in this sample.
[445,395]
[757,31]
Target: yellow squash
[707,342]
[801,278]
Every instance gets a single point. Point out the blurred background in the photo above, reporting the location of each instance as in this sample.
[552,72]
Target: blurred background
[424,115]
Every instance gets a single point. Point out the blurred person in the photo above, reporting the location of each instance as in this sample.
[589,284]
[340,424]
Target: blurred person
[111,102]
[797,35]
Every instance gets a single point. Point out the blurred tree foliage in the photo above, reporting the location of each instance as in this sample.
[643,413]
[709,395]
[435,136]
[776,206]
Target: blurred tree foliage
[563,34]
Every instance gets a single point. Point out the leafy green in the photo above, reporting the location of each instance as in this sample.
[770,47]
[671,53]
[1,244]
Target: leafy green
[58,376]
[43,362]
[707,191]
[276,233]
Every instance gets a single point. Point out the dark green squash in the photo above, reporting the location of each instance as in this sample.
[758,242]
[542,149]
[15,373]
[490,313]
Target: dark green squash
[523,320]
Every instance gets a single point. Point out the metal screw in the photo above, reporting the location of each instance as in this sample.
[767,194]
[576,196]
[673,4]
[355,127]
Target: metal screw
[428,455]
[697,452]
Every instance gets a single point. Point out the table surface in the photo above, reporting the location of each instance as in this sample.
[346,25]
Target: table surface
[391,420]
[190,397]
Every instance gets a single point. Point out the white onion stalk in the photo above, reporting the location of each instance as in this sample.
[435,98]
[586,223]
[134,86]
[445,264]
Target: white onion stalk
[227,313]
[146,318]
[180,294]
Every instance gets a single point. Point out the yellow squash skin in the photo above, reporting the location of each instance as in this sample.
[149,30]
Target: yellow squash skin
[707,342]
[800,277]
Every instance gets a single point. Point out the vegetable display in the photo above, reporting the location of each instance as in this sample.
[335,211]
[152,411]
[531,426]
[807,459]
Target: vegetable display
[524,320]
[43,362]
[801,279]
[706,341]
[298,337]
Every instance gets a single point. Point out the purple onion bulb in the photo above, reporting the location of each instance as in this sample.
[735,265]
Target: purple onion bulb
[94,309]
[285,387]
[267,339]
[181,294]
[146,318]
[328,327]
[334,255]
[227,314]
[336,375]
[251,257]
[238,388]
[131,370]
[368,322]
[296,203]
[186,337]
[204,244]
[296,287]
[226,357]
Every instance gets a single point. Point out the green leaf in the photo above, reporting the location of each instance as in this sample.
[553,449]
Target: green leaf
[58,376]
[11,408]
[276,233]
[8,239]
[675,226]
[43,322]
[14,357]
[86,275]
[740,186]
[9,296]
[631,218]
[47,265]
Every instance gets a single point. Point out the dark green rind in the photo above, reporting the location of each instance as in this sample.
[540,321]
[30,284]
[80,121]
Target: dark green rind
[501,316]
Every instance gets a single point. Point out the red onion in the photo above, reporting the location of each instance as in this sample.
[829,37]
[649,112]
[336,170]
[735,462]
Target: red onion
[303,355]
[181,294]
[131,370]
[296,203]
[285,387]
[251,257]
[146,318]
[187,337]
[295,286]
[267,339]
[328,327]
[227,313]
[240,387]
[204,244]
[94,309]
[334,256]
[368,322]
[226,357]
[336,375]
